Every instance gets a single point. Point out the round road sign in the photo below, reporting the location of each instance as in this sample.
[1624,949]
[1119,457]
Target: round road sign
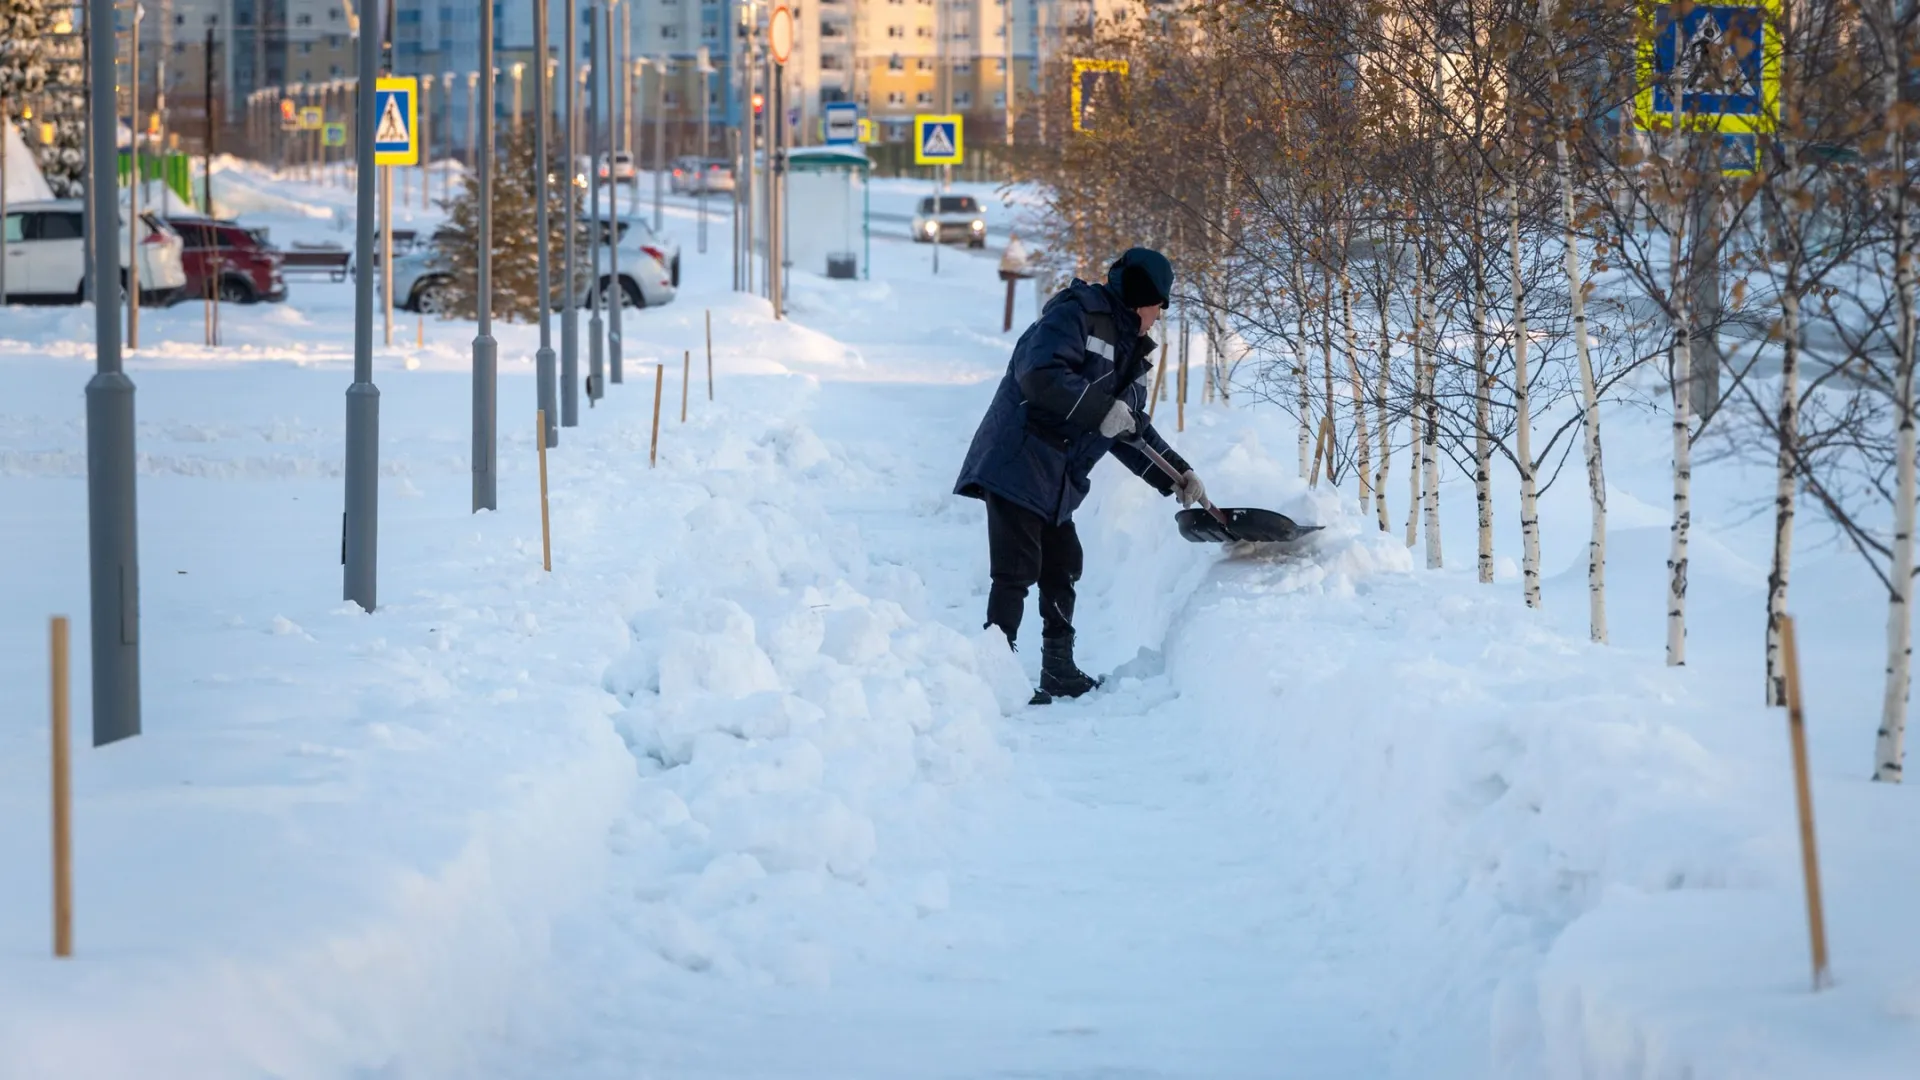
[780,33]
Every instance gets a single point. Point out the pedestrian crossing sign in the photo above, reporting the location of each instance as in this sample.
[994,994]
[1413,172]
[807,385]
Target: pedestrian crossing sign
[334,134]
[396,121]
[312,118]
[1712,65]
[937,140]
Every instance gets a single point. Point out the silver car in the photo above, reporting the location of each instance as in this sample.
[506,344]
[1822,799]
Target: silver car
[649,271]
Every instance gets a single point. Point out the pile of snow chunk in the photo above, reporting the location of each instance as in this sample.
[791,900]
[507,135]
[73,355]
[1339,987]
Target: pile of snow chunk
[784,695]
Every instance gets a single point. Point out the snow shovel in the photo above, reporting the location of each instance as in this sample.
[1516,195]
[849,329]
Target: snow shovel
[1209,524]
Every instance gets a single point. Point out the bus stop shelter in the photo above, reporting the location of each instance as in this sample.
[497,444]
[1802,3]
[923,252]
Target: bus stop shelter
[827,208]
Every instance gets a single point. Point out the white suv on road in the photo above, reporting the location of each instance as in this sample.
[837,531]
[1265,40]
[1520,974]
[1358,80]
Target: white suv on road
[47,254]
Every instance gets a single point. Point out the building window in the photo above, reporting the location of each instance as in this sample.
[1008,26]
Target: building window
[964,67]
[895,97]
[213,20]
[1000,66]
[925,97]
[303,20]
[306,49]
[923,64]
[333,14]
[894,63]
[963,99]
[672,98]
[999,99]
[896,32]
[670,32]
[710,32]
[923,31]
[179,20]
[1000,31]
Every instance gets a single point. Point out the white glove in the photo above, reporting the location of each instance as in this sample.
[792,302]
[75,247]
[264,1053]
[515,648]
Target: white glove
[1119,421]
[1189,490]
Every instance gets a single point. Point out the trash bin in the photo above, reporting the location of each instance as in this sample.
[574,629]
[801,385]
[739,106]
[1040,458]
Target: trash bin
[843,265]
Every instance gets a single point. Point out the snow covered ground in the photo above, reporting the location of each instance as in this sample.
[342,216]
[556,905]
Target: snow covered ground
[741,790]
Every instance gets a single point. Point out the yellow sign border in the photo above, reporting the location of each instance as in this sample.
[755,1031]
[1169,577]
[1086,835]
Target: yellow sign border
[920,123]
[411,155]
[312,117]
[1770,52]
[1081,67]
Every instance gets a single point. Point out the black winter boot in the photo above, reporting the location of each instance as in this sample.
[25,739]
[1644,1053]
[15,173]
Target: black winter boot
[1059,676]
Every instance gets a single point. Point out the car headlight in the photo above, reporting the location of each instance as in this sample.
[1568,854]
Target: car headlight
[979,226]
[932,227]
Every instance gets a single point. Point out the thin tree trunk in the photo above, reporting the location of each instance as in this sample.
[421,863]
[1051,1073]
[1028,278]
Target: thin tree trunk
[1682,449]
[1300,371]
[1413,456]
[1786,471]
[1430,431]
[1364,471]
[1523,420]
[1482,396]
[1380,386]
[1590,400]
[1326,362]
[1890,746]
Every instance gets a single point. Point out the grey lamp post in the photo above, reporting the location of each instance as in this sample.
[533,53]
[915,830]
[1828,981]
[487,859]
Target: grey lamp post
[361,542]
[112,541]
[596,299]
[486,356]
[569,313]
[543,360]
[612,81]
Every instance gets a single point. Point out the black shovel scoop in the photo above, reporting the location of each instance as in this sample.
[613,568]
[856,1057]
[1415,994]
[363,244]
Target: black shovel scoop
[1209,524]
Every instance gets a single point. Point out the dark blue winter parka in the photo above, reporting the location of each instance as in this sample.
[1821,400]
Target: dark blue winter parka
[1041,436]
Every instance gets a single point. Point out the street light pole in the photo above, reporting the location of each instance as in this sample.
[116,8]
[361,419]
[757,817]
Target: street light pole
[543,359]
[613,81]
[361,526]
[569,315]
[486,353]
[596,299]
[112,542]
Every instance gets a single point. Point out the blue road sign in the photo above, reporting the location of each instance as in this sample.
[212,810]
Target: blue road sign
[396,122]
[1721,57]
[843,123]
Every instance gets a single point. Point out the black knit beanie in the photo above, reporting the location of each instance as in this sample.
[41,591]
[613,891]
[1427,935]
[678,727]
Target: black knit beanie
[1143,276]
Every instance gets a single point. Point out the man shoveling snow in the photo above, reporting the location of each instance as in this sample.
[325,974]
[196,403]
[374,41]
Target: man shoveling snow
[1077,384]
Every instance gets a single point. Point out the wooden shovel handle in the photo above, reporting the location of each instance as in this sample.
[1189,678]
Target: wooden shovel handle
[1174,474]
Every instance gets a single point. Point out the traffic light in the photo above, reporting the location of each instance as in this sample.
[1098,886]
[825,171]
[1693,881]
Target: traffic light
[759,100]
[286,110]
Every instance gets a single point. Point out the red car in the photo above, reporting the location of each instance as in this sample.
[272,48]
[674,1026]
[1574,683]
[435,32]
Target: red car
[248,267]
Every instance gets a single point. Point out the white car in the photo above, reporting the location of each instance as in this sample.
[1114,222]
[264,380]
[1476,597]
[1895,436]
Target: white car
[952,218]
[47,254]
[621,169]
[649,271]
[693,175]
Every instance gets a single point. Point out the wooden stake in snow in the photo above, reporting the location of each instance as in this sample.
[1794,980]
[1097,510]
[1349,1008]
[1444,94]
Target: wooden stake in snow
[659,385]
[62,794]
[1803,800]
[709,354]
[1159,373]
[546,533]
[686,379]
[1322,451]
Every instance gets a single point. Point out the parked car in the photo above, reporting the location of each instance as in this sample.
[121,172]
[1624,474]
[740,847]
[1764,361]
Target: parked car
[952,218]
[621,170]
[693,175]
[649,271]
[47,254]
[245,267]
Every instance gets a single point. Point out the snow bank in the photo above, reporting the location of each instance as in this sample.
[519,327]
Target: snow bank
[783,693]
[1588,862]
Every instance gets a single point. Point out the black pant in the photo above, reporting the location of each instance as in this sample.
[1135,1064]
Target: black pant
[1025,549]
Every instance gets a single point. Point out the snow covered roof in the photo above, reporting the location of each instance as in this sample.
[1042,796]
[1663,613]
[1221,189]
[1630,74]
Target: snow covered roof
[828,157]
[24,179]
